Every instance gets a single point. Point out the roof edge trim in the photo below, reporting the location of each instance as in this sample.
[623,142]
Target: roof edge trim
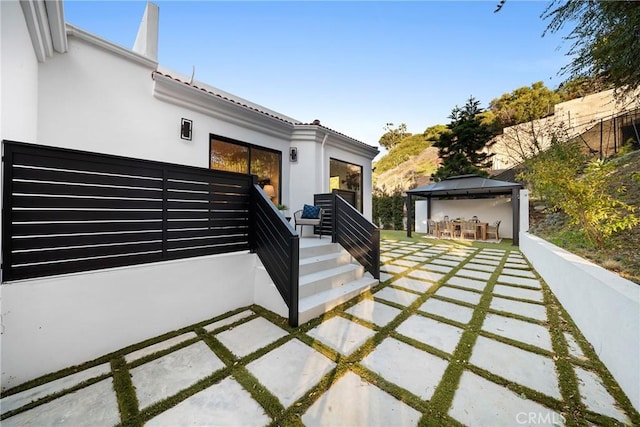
[81,34]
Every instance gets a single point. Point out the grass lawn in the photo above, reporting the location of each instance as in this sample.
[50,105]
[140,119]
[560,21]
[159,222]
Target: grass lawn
[506,244]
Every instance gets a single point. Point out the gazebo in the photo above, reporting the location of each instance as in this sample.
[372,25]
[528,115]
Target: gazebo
[468,187]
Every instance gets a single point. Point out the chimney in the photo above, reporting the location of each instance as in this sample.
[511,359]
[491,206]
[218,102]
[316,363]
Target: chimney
[146,43]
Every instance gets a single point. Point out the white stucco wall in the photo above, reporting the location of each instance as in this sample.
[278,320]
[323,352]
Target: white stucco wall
[100,98]
[604,306]
[487,210]
[95,100]
[52,323]
[18,76]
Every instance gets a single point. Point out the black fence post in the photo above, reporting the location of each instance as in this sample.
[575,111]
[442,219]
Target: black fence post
[253,206]
[334,218]
[409,215]
[7,213]
[294,274]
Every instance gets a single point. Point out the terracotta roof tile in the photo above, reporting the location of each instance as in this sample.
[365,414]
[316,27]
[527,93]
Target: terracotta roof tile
[314,123]
[223,97]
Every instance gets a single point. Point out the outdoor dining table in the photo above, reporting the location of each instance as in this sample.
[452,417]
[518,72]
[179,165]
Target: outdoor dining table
[480,226]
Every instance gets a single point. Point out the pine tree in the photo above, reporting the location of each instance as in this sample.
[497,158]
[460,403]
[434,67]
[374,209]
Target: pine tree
[461,146]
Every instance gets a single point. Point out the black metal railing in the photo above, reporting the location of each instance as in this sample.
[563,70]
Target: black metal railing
[278,246]
[68,211]
[356,234]
[325,201]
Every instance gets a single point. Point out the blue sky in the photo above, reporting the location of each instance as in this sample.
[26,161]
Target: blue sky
[353,65]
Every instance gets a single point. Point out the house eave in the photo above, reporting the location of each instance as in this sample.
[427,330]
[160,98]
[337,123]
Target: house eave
[45,23]
[123,52]
[338,140]
[184,95]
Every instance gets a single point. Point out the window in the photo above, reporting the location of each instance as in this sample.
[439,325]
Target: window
[235,156]
[346,176]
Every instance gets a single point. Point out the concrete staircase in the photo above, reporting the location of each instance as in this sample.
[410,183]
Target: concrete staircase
[329,276]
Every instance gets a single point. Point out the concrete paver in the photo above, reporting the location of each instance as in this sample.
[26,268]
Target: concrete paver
[223,404]
[426,275]
[521,281]
[18,400]
[95,405]
[341,334]
[526,309]
[459,294]
[163,345]
[573,346]
[448,310]
[520,293]
[465,282]
[518,330]
[165,376]
[482,275]
[595,396]
[290,370]
[446,262]
[373,311]
[227,321]
[405,263]
[481,267]
[437,267]
[397,296]
[421,371]
[485,261]
[479,402]
[523,367]
[391,268]
[351,401]
[431,332]
[412,284]
[251,336]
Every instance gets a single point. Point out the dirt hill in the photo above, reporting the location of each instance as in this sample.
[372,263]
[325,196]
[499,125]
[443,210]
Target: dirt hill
[413,172]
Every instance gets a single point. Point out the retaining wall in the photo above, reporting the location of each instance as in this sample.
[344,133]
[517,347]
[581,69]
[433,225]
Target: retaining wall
[603,305]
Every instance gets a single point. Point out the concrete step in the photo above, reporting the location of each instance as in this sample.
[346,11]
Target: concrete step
[327,261]
[330,278]
[322,247]
[316,304]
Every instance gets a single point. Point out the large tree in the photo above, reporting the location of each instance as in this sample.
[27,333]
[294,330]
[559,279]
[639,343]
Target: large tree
[605,39]
[461,147]
[393,136]
[524,104]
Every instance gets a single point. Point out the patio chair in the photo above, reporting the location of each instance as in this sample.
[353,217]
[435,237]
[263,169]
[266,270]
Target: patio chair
[494,229]
[432,228]
[309,215]
[445,227]
[469,227]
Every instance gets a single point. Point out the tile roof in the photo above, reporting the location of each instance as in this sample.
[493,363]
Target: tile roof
[258,110]
[242,104]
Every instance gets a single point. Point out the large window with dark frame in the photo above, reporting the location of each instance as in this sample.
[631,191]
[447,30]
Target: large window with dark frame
[235,156]
[346,176]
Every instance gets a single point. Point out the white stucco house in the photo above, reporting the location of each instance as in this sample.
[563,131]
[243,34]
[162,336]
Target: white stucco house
[65,88]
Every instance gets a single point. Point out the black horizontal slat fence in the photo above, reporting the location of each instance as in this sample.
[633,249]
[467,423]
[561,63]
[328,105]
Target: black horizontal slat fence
[68,211]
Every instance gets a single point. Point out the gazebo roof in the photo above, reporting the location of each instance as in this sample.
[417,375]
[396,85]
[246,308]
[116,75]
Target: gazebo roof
[466,185]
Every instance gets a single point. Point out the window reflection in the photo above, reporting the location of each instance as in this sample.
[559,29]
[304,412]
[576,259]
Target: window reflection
[346,176]
[230,157]
[244,158]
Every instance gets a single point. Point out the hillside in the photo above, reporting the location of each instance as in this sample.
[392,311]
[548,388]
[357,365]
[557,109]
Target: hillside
[411,172]
[622,253]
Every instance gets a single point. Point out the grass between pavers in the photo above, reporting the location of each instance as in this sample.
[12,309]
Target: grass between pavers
[435,411]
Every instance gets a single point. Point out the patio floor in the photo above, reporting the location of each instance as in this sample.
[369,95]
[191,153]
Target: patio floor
[453,335]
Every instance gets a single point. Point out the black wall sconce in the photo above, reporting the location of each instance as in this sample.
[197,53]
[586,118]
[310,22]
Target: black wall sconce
[186,129]
[293,154]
